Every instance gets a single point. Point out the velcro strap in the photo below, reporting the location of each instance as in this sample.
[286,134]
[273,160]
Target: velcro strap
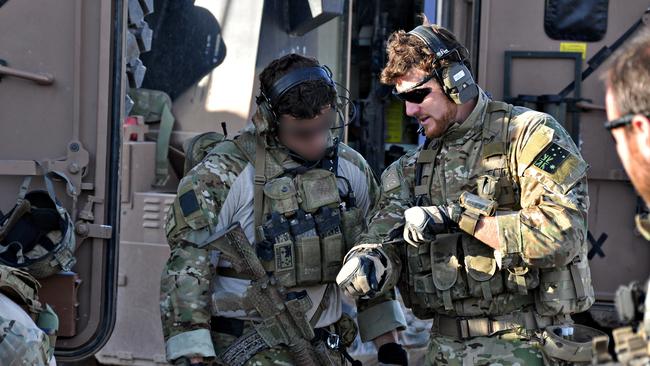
[487,291]
[577,281]
[446,299]
[468,221]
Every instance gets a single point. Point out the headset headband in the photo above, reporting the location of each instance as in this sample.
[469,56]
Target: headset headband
[296,77]
[437,46]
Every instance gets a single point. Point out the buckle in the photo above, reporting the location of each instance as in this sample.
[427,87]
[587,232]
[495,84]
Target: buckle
[260,179]
[475,327]
[333,341]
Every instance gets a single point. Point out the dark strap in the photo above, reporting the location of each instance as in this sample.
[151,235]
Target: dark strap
[232,273]
[260,181]
[426,156]
[322,305]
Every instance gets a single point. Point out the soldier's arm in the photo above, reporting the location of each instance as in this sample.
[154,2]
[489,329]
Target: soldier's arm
[379,318]
[185,284]
[552,223]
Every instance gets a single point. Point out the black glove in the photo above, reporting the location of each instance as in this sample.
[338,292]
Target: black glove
[393,354]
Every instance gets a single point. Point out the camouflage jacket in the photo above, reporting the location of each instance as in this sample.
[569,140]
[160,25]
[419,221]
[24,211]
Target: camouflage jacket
[544,227]
[222,185]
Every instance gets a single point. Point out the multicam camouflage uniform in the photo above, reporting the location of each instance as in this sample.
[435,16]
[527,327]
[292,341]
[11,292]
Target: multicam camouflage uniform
[22,342]
[199,291]
[488,306]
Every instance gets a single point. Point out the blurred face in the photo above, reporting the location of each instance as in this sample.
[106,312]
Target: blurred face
[308,138]
[632,146]
[436,112]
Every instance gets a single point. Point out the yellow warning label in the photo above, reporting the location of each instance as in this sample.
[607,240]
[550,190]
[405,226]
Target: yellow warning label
[574,47]
[394,118]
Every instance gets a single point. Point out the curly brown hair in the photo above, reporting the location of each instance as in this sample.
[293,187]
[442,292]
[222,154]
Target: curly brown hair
[305,100]
[407,51]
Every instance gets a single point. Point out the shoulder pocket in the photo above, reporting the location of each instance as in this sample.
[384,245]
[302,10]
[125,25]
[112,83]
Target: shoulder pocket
[550,160]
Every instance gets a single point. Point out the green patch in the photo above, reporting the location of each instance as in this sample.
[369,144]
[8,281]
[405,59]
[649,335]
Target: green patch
[551,158]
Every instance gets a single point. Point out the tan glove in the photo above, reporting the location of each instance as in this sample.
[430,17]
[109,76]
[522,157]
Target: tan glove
[362,275]
[423,223]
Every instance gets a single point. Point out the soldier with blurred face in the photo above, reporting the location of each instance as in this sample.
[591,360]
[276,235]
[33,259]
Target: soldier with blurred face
[302,197]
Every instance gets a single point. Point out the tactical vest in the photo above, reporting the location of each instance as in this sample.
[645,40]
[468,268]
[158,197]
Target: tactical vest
[457,274]
[304,224]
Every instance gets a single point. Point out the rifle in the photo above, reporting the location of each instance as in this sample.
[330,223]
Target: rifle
[283,315]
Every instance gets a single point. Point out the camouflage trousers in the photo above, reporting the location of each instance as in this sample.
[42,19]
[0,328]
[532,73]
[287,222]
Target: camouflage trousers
[507,349]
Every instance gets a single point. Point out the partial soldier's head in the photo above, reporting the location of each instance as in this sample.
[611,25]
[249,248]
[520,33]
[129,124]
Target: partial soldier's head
[628,109]
[298,101]
[418,75]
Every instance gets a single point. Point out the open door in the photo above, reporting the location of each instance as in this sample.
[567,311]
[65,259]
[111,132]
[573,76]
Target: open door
[61,107]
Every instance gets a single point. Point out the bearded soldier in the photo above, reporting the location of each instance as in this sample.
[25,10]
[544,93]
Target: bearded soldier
[493,214]
[628,111]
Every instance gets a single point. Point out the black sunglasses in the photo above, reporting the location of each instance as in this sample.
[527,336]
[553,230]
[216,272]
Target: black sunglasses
[413,94]
[620,122]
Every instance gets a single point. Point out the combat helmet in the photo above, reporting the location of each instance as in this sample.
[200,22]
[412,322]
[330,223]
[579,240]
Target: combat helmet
[37,235]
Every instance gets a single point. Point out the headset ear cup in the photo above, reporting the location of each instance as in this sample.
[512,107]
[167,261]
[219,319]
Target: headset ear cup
[458,83]
[268,115]
[266,111]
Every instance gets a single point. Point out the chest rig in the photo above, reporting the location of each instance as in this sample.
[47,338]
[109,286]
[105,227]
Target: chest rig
[303,222]
[458,275]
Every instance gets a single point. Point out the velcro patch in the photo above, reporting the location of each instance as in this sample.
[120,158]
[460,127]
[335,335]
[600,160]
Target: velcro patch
[283,256]
[551,158]
[188,202]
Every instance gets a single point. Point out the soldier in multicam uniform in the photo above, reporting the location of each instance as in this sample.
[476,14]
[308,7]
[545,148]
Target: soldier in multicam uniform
[493,210]
[298,193]
[22,341]
[628,111]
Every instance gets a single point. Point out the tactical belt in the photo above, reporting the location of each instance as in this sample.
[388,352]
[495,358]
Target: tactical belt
[464,328]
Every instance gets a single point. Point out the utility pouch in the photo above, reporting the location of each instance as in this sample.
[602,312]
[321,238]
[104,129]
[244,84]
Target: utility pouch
[328,223]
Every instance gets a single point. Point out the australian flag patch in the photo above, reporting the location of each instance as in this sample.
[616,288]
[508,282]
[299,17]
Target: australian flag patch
[551,158]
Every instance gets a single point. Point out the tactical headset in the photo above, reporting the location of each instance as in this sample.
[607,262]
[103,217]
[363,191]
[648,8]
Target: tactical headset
[267,99]
[455,79]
